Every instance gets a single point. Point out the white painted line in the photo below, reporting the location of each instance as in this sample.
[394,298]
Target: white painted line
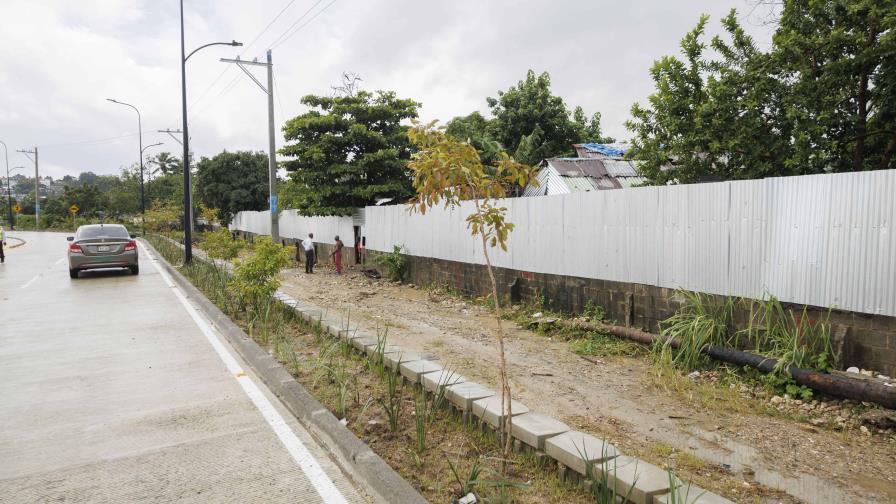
[315,473]
[32,281]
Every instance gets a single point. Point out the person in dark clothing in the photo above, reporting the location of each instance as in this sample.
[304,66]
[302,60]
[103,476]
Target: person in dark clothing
[308,245]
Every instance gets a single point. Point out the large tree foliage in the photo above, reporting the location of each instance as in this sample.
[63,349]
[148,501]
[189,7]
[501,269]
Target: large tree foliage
[819,100]
[534,124]
[233,181]
[348,152]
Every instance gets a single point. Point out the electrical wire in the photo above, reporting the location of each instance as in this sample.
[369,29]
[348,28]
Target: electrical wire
[279,39]
[245,48]
[98,140]
[277,93]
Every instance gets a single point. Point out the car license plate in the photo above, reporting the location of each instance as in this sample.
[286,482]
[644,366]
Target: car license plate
[103,248]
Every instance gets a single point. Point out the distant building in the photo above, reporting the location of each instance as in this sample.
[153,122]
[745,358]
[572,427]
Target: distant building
[598,167]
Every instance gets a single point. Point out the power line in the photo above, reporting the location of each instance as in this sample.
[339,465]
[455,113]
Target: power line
[245,48]
[98,140]
[279,102]
[281,38]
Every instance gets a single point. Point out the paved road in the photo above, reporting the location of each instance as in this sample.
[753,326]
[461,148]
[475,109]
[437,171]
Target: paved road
[112,391]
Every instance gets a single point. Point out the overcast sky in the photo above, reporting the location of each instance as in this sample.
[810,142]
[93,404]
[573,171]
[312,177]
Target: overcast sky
[60,59]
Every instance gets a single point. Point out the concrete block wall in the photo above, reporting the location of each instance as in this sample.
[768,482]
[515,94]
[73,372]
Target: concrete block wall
[864,340]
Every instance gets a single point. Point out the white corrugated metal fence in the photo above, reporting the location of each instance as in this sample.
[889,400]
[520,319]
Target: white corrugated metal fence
[823,240]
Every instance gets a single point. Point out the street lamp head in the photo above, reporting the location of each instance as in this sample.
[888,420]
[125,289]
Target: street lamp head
[112,100]
[236,44]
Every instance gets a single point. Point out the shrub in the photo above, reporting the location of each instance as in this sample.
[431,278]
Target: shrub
[395,262]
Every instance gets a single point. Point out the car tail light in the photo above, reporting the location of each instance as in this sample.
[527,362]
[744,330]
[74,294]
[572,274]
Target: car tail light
[132,245]
[74,247]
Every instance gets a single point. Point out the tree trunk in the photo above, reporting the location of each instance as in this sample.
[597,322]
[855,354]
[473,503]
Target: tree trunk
[858,160]
[505,385]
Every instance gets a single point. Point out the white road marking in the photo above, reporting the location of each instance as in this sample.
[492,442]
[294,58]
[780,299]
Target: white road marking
[315,473]
[32,281]
[37,277]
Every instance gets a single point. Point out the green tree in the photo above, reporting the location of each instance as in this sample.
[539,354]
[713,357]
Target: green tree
[839,57]
[168,164]
[528,115]
[476,130]
[348,152]
[447,172]
[819,100]
[233,181]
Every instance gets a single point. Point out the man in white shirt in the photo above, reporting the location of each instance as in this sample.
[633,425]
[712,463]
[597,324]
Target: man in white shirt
[308,245]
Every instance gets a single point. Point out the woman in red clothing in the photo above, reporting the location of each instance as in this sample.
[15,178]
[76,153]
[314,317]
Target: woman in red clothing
[337,255]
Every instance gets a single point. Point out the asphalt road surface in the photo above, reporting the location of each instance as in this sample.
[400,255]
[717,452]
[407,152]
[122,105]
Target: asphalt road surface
[114,389]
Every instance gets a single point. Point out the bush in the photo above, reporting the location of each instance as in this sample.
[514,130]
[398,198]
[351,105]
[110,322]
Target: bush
[221,245]
[255,278]
[395,262]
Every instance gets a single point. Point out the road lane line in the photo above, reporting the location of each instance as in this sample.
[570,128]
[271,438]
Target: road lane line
[28,284]
[305,460]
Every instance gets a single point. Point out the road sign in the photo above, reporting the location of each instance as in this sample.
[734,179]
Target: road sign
[73,209]
[16,208]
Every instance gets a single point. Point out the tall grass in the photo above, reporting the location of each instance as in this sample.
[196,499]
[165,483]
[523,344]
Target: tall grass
[699,323]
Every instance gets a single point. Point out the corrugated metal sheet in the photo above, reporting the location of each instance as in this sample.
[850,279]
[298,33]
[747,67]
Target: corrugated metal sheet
[620,168]
[824,240]
[579,184]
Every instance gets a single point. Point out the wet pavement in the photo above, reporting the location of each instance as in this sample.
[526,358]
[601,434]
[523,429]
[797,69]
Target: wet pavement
[114,389]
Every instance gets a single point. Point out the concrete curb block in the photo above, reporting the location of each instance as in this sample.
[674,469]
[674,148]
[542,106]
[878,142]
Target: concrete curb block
[366,467]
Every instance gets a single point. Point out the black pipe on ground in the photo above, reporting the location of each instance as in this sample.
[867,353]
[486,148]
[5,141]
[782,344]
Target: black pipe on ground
[844,387]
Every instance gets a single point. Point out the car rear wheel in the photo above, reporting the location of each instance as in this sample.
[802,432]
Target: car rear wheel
[73,273]
[135,270]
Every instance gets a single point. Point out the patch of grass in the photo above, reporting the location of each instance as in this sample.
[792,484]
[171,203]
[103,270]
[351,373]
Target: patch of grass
[603,344]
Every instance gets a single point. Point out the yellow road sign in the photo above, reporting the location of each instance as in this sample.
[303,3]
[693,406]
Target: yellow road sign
[16,208]
[73,209]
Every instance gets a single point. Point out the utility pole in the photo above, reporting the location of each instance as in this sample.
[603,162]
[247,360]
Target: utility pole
[36,186]
[272,153]
[8,190]
[171,133]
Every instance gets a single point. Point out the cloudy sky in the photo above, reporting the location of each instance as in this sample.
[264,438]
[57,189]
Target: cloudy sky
[60,60]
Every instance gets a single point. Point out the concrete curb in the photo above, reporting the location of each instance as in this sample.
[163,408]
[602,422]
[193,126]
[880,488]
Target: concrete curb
[365,466]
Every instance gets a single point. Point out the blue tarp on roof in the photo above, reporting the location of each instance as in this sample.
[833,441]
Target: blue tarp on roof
[612,150]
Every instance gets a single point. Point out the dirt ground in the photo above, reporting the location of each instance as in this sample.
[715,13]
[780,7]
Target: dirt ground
[738,452]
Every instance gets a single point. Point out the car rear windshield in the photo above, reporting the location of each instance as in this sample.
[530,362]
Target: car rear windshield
[103,232]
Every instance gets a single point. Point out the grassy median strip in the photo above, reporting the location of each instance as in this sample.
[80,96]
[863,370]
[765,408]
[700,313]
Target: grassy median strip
[418,435]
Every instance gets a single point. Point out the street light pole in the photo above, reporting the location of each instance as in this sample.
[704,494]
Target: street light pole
[8,190]
[188,204]
[140,137]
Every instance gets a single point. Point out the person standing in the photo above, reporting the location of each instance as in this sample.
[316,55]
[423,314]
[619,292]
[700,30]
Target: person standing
[308,245]
[336,254]
[3,243]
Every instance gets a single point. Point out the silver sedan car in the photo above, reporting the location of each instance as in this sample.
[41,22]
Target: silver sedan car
[102,246]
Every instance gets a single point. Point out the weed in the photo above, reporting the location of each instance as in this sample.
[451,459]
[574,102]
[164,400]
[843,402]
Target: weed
[392,402]
[603,344]
[467,484]
[681,494]
[420,422]
[395,262]
[701,322]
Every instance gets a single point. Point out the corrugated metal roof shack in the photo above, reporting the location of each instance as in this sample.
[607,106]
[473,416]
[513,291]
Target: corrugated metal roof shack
[598,167]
